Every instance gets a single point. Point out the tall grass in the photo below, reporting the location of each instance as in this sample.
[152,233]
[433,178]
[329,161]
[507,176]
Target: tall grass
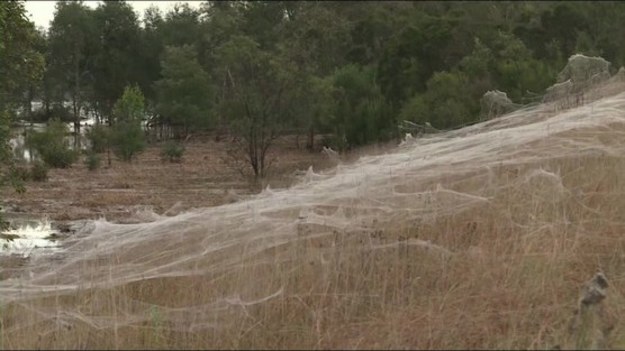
[503,274]
[511,281]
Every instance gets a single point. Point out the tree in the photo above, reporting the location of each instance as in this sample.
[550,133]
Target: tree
[151,49]
[71,53]
[51,88]
[222,20]
[127,137]
[261,21]
[313,105]
[445,104]
[255,103]
[185,93]
[418,51]
[117,63]
[316,40]
[362,115]
[181,26]
[21,66]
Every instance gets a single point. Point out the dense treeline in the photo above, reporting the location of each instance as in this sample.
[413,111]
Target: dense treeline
[257,69]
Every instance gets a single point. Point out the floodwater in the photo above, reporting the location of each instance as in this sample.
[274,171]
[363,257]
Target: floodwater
[24,236]
[23,153]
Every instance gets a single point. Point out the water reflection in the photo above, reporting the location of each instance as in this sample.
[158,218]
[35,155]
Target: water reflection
[23,153]
[22,238]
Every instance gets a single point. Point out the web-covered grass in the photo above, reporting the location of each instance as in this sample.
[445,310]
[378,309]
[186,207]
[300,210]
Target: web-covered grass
[475,238]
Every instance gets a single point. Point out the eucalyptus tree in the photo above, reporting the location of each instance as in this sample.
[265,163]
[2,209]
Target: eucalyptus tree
[117,62]
[72,49]
[21,67]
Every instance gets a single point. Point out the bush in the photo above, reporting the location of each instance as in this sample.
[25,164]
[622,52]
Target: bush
[361,114]
[127,136]
[99,137]
[92,161]
[52,146]
[127,139]
[59,157]
[21,173]
[172,151]
[39,171]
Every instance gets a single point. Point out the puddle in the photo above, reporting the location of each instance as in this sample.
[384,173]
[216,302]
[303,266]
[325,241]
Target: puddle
[24,236]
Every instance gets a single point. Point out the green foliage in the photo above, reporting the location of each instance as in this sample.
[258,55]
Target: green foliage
[51,145]
[39,171]
[92,161]
[445,104]
[130,107]
[172,151]
[21,65]
[70,45]
[185,93]
[361,114]
[5,149]
[117,59]
[282,65]
[127,137]
[256,100]
[181,26]
[22,173]
[99,137]
[8,170]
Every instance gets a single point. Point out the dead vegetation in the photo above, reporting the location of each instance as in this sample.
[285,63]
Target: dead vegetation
[203,179]
[502,272]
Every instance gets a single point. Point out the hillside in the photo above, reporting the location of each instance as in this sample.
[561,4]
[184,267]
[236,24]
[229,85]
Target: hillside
[479,238]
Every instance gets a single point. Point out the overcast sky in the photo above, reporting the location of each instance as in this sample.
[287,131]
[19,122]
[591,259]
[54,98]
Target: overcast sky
[42,12]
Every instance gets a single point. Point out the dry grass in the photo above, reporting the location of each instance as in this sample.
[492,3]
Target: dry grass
[511,282]
[201,180]
[504,274]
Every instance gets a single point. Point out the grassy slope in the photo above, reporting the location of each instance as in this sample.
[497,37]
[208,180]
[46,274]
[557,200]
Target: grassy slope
[512,279]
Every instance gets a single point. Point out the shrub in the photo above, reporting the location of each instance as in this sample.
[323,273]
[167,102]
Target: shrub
[52,146]
[92,161]
[59,157]
[172,151]
[39,171]
[99,138]
[21,173]
[127,139]
[127,136]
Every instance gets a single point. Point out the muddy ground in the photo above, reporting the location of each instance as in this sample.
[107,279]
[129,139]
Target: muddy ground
[204,178]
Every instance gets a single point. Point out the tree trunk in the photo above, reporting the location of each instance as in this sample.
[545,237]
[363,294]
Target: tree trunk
[310,145]
[76,110]
[28,103]
[76,102]
[77,135]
